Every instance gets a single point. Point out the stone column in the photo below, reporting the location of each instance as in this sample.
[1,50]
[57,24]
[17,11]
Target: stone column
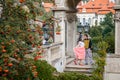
[117,2]
[71,32]
[112,68]
[60,16]
[66,19]
[117,28]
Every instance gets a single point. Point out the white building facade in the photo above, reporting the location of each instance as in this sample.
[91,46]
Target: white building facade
[87,18]
[94,11]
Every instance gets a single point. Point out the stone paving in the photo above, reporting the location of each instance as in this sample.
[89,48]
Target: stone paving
[72,67]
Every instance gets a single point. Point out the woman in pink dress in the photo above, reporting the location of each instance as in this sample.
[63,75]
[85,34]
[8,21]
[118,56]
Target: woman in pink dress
[79,51]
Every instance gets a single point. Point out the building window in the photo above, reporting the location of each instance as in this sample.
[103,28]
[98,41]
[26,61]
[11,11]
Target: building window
[84,22]
[100,19]
[89,21]
[78,19]
[96,22]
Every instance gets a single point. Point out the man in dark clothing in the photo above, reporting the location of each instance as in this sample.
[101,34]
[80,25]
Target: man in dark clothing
[88,46]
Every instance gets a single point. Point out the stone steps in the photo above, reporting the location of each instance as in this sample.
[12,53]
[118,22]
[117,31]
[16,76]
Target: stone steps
[77,68]
[71,67]
[69,60]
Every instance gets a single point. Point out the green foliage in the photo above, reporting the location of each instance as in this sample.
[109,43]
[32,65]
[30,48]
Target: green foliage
[16,72]
[99,68]
[103,42]
[109,32]
[95,41]
[108,20]
[95,31]
[95,77]
[78,76]
[45,70]
[100,59]
[105,32]
[101,53]
[18,36]
[102,45]
[72,76]
[110,39]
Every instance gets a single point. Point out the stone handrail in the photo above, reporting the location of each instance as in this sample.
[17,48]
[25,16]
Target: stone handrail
[52,45]
[53,52]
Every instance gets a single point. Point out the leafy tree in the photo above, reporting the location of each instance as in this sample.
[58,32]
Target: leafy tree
[108,24]
[109,31]
[108,20]
[110,39]
[45,70]
[18,36]
[95,31]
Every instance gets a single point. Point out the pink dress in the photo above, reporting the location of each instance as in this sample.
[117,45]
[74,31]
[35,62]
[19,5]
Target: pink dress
[79,52]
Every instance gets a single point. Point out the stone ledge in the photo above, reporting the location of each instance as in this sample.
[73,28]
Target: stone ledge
[52,45]
[113,72]
[117,7]
[62,8]
[111,76]
[113,56]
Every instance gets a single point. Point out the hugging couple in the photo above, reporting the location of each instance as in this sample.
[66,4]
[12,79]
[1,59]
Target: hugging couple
[83,51]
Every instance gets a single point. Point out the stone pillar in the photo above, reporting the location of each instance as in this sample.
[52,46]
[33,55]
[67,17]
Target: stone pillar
[117,2]
[66,19]
[71,32]
[60,16]
[117,28]
[67,22]
[112,68]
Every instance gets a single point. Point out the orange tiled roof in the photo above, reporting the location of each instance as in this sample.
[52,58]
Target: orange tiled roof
[97,6]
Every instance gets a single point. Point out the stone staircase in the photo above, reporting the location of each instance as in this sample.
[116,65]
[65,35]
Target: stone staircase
[71,67]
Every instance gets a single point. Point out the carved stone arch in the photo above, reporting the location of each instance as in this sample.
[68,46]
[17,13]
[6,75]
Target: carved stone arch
[72,3]
[66,11]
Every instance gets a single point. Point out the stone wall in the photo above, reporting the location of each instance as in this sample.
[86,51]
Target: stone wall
[112,68]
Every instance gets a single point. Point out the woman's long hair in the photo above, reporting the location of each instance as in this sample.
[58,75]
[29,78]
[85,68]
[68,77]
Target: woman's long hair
[79,39]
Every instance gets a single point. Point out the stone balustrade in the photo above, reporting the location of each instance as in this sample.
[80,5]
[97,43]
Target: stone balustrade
[54,55]
[52,52]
